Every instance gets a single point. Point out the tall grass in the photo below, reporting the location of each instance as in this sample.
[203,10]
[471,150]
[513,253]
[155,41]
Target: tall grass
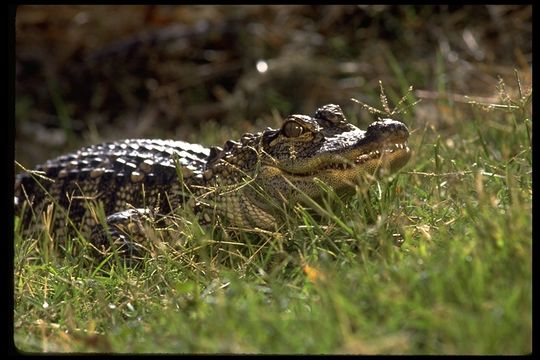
[433,260]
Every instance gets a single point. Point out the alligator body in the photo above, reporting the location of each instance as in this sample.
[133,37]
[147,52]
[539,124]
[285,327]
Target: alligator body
[240,183]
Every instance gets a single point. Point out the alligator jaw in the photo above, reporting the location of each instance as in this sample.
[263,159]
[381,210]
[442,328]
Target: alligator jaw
[390,156]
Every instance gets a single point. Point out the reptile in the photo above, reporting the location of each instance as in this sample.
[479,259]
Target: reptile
[243,183]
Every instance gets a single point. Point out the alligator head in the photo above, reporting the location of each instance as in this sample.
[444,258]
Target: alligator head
[285,163]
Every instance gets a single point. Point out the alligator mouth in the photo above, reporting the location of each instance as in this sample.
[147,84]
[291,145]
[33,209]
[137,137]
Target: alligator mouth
[381,153]
[392,156]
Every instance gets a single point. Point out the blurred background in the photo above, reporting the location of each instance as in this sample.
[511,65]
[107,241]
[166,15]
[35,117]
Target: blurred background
[86,74]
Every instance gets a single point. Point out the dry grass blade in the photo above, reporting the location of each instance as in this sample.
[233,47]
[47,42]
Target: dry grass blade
[384,99]
[398,109]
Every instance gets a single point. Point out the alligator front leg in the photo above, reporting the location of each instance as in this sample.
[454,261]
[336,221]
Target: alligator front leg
[125,231]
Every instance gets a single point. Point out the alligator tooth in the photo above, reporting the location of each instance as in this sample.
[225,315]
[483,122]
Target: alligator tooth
[362,158]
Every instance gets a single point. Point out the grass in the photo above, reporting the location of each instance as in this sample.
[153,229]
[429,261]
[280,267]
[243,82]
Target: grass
[434,260]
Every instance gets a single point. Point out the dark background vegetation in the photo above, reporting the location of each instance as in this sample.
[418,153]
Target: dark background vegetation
[86,74]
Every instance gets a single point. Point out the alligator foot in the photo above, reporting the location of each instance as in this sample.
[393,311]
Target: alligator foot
[125,231]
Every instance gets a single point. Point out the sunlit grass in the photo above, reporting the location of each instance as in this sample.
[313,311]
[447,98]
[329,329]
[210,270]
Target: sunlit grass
[434,260]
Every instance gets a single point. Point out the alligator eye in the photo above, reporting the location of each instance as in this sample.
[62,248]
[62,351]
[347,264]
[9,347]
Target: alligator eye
[331,113]
[292,129]
[330,116]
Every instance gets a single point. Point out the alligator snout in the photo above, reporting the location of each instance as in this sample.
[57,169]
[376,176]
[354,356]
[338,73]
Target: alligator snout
[388,130]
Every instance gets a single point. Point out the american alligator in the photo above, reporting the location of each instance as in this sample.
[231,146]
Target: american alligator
[242,183]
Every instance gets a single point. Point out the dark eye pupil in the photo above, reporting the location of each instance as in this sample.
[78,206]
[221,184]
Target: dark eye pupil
[292,129]
[330,116]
